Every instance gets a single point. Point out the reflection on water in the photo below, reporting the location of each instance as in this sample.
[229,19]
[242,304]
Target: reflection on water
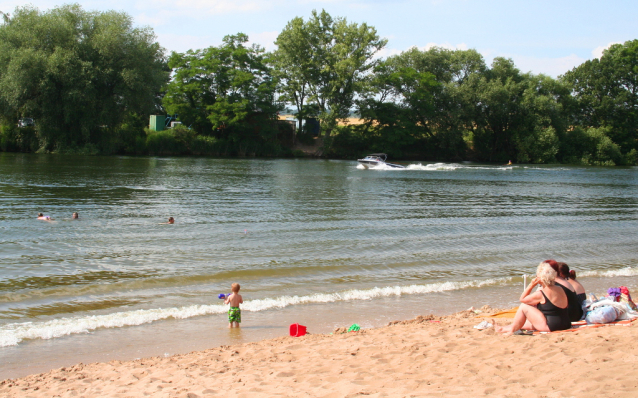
[294,233]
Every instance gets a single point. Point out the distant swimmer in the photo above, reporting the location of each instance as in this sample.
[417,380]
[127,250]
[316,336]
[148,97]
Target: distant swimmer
[171,220]
[75,216]
[509,163]
[43,217]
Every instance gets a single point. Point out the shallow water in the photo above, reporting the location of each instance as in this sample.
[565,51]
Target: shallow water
[322,243]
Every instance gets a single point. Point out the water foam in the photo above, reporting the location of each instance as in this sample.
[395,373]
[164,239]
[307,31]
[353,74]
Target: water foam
[437,167]
[13,334]
[627,271]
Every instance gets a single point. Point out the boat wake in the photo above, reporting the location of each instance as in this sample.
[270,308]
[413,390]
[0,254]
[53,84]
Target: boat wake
[436,167]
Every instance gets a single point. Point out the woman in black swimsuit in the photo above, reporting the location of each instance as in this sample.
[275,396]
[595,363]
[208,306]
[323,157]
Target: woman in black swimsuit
[575,307]
[544,310]
[570,276]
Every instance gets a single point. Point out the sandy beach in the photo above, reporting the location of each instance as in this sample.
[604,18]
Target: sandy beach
[425,356]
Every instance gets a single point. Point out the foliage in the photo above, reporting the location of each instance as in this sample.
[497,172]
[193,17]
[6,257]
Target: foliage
[77,73]
[91,79]
[14,139]
[226,92]
[606,91]
[326,60]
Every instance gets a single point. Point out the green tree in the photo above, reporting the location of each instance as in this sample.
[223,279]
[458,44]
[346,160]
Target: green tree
[78,73]
[293,68]
[329,61]
[514,115]
[417,103]
[226,91]
[606,91]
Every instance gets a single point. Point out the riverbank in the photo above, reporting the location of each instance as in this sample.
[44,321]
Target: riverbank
[428,355]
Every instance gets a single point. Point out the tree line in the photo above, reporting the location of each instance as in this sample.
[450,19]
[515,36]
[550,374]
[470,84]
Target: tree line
[91,79]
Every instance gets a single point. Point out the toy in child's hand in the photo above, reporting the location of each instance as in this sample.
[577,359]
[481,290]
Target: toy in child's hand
[223,296]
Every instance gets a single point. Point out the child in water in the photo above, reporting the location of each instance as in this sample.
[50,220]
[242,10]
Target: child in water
[234,313]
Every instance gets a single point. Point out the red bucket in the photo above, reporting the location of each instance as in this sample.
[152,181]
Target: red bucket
[297,330]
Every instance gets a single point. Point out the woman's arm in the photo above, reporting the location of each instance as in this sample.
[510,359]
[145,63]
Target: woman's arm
[531,298]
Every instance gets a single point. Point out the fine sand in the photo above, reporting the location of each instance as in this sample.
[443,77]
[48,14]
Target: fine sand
[426,356]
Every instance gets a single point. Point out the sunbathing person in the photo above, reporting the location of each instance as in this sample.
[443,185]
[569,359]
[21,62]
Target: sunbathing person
[575,307]
[544,310]
[570,276]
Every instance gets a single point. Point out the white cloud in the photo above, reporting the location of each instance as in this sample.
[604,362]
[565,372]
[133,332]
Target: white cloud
[460,46]
[548,66]
[264,39]
[183,43]
[165,12]
[387,52]
[598,51]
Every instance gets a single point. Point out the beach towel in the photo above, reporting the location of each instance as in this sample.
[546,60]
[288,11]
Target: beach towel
[584,325]
[503,314]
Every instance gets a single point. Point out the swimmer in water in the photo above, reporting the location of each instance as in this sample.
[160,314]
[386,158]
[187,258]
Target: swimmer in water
[75,216]
[171,220]
[43,217]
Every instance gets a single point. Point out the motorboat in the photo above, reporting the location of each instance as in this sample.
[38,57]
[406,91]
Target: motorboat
[377,159]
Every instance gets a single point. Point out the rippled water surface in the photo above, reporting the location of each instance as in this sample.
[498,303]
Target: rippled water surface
[303,235]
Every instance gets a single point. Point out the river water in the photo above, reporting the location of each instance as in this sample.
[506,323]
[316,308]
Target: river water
[317,242]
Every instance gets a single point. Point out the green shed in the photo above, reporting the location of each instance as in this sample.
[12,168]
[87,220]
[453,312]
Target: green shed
[157,122]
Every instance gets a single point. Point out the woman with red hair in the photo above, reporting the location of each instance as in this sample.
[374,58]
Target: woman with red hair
[569,275]
[575,307]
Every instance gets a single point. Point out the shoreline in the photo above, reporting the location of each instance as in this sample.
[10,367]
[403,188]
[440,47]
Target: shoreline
[427,355]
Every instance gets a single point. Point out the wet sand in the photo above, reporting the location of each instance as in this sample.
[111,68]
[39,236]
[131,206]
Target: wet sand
[426,356]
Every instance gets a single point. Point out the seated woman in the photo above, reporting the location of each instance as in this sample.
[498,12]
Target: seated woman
[544,310]
[575,307]
[570,276]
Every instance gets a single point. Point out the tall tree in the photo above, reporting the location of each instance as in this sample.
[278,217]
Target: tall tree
[417,98]
[293,67]
[607,93]
[330,59]
[226,91]
[78,73]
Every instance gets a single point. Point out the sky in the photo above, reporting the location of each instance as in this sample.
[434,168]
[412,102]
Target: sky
[549,37]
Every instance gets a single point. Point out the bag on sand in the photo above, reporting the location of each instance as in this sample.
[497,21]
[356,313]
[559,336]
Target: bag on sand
[603,314]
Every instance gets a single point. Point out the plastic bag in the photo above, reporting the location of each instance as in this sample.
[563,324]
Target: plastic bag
[603,314]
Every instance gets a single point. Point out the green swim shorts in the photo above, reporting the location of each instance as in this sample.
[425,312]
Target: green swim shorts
[234,315]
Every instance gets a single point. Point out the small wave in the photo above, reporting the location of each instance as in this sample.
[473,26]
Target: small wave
[13,334]
[628,271]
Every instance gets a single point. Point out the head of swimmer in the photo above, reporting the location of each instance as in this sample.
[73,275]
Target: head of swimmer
[75,216]
[171,220]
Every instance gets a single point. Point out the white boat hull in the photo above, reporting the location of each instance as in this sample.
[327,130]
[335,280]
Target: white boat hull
[370,164]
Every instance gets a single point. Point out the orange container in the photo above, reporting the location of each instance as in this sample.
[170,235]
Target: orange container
[297,330]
